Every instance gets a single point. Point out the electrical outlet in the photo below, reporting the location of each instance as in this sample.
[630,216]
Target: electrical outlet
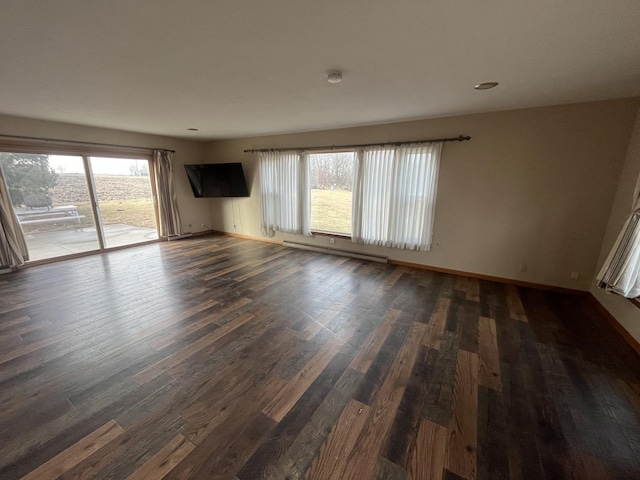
[523,268]
[575,275]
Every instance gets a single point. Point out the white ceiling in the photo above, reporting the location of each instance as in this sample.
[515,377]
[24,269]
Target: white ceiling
[250,67]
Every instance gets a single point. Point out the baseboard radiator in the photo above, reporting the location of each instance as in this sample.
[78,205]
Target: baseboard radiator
[335,251]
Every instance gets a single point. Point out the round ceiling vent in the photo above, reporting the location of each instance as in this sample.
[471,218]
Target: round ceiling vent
[486,85]
[335,77]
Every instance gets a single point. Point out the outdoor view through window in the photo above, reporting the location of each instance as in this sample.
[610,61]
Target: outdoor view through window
[331,191]
[52,202]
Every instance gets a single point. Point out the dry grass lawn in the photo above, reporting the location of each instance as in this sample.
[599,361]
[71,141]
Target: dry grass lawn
[331,211]
[138,212]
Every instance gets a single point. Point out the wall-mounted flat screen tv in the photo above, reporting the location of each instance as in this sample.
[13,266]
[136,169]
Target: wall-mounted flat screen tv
[217,180]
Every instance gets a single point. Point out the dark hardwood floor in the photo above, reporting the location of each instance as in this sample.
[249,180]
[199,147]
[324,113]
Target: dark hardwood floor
[226,358]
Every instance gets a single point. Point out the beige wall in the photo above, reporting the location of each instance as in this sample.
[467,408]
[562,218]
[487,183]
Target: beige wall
[625,312]
[194,212]
[532,187]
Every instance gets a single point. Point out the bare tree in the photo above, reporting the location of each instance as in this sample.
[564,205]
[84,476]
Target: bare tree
[332,171]
[139,170]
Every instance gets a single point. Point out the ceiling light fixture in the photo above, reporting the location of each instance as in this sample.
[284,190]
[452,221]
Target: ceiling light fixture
[335,77]
[192,129]
[486,85]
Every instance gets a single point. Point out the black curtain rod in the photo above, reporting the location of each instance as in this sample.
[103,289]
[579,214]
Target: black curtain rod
[77,142]
[460,138]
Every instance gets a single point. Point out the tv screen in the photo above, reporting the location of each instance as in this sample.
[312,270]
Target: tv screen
[217,180]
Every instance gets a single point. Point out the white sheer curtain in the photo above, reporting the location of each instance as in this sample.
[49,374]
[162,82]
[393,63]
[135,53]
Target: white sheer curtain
[13,247]
[170,223]
[621,270]
[285,195]
[394,195]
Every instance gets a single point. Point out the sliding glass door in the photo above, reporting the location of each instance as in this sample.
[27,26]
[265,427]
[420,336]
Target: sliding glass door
[125,200]
[70,204]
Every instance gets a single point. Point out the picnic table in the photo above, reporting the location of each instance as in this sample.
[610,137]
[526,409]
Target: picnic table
[63,213]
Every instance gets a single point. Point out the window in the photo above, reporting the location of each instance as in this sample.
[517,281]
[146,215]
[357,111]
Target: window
[125,199]
[331,176]
[380,195]
[284,193]
[69,204]
[621,270]
[395,194]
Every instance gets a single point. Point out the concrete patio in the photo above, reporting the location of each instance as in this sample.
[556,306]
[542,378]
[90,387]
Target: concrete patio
[55,244]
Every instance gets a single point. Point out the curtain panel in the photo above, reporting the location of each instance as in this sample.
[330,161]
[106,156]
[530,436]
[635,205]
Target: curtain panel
[621,270]
[285,195]
[394,195]
[169,216]
[13,246]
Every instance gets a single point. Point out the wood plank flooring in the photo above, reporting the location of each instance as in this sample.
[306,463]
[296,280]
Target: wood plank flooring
[223,358]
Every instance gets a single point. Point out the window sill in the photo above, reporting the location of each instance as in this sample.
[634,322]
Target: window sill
[322,233]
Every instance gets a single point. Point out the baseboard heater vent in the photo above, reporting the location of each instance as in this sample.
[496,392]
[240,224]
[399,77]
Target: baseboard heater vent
[335,251]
